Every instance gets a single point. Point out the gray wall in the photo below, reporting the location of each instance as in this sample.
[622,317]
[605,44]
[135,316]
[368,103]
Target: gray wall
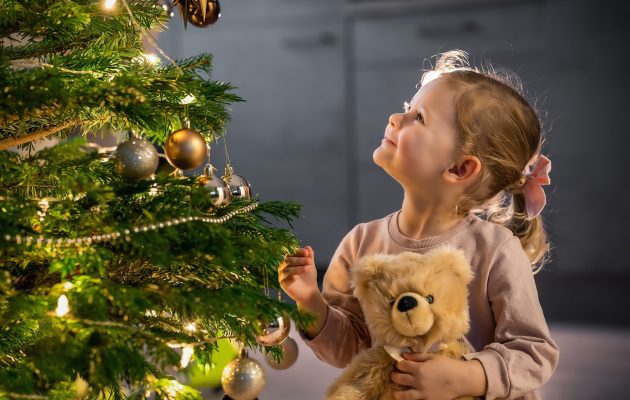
[321,77]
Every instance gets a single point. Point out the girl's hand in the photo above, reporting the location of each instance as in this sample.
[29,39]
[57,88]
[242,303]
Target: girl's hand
[436,377]
[298,276]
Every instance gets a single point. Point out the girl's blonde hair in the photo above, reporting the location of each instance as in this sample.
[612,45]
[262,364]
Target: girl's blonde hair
[497,125]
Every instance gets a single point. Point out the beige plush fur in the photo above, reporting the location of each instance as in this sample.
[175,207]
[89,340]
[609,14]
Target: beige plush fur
[380,283]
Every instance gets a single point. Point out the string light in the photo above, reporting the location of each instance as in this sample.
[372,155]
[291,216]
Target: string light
[42,241]
[191,327]
[62,306]
[109,4]
[188,99]
[187,353]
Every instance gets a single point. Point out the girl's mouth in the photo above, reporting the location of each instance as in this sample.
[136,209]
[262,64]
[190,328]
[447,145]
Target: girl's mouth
[386,140]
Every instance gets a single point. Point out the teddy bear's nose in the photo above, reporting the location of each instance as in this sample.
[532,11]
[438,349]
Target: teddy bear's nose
[406,303]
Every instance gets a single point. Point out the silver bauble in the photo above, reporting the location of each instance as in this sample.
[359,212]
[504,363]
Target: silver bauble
[275,332]
[136,159]
[243,378]
[290,352]
[218,190]
[239,186]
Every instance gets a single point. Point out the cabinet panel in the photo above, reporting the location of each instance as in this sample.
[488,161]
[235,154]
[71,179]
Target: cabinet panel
[409,39]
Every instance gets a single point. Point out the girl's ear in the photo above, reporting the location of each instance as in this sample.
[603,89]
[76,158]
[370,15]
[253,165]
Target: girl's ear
[464,169]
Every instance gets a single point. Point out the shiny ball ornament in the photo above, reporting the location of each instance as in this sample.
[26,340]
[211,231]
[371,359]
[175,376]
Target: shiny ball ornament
[136,159]
[185,148]
[196,14]
[218,190]
[275,332]
[290,352]
[239,187]
[243,378]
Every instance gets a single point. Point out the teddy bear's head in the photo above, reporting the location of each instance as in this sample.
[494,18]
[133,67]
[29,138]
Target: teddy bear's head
[412,299]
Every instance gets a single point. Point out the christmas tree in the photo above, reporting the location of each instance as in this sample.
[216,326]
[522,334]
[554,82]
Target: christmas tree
[111,276]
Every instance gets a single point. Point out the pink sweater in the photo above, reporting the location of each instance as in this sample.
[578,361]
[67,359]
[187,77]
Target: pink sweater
[508,329]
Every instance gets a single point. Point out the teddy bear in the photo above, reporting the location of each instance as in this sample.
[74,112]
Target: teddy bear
[411,302]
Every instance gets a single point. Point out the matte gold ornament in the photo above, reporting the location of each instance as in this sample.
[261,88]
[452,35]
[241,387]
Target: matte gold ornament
[275,332]
[136,159]
[185,148]
[243,378]
[239,187]
[218,190]
[290,353]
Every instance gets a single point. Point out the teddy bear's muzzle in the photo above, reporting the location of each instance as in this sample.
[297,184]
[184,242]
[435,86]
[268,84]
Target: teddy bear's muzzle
[411,314]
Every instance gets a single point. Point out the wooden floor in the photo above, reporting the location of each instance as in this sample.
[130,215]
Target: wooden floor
[594,364]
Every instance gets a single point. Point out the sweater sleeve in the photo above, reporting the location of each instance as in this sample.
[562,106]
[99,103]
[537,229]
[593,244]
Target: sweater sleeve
[523,355]
[345,332]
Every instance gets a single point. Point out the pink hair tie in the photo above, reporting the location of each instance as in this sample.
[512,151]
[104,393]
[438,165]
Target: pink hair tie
[533,192]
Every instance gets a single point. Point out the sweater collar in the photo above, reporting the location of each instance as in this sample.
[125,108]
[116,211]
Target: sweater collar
[430,241]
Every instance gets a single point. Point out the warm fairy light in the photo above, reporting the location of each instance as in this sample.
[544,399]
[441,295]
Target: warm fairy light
[188,99]
[109,4]
[190,327]
[62,306]
[187,353]
[68,285]
[151,58]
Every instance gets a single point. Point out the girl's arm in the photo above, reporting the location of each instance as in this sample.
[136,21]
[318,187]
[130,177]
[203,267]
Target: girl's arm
[523,355]
[343,332]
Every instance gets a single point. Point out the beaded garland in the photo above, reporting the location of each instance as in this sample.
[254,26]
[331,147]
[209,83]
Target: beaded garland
[108,237]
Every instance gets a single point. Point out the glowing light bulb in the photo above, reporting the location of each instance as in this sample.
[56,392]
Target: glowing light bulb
[62,306]
[188,99]
[187,353]
[109,4]
[151,58]
[68,285]
[190,327]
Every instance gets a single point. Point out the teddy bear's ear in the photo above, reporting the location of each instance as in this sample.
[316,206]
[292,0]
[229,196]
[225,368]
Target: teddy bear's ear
[368,274]
[452,259]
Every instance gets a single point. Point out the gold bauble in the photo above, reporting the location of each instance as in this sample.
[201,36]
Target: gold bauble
[290,353]
[185,148]
[243,378]
[275,332]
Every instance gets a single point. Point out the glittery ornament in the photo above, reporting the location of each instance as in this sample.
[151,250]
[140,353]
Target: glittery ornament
[275,332]
[290,353]
[185,148]
[243,378]
[218,190]
[136,159]
[239,187]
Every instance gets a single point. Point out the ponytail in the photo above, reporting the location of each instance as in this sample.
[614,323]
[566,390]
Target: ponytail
[509,210]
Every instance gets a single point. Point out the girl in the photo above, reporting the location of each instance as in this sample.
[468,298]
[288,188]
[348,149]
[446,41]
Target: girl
[467,144]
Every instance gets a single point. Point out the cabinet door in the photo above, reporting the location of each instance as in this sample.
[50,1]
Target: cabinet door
[288,138]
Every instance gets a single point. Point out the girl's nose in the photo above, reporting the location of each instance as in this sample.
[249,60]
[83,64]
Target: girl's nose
[395,120]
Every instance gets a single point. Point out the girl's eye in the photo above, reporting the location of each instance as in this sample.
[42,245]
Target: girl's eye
[429,299]
[419,117]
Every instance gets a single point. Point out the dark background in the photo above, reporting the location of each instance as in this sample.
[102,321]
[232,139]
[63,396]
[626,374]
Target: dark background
[321,78]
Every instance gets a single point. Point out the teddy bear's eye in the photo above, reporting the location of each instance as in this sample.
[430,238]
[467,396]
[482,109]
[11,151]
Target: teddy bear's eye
[429,299]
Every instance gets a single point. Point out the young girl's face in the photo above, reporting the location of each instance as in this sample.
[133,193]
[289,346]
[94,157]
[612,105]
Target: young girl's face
[418,143]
